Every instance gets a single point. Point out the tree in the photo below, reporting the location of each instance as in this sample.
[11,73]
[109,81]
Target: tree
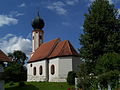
[108,62]
[101,32]
[15,70]
[18,56]
[71,78]
[108,68]
[84,81]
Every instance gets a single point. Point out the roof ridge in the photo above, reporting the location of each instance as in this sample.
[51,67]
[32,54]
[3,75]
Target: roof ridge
[62,47]
[52,49]
[57,39]
[51,40]
[71,48]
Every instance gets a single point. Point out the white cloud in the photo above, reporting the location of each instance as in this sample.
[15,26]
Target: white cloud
[58,7]
[19,14]
[5,37]
[66,23]
[82,27]
[110,1]
[72,2]
[119,11]
[91,0]
[10,42]
[6,20]
[15,13]
[22,5]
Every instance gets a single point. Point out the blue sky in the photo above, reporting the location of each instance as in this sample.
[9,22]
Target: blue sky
[63,19]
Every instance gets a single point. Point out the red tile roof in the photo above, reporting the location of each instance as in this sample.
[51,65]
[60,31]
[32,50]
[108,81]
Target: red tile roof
[53,48]
[3,57]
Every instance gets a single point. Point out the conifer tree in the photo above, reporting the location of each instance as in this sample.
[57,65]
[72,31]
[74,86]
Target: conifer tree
[101,32]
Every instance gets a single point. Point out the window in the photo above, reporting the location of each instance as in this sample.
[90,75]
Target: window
[52,69]
[40,70]
[30,65]
[40,37]
[34,71]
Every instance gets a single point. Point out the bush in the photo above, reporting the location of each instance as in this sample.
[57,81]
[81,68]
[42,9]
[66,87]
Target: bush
[21,84]
[111,77]
[71,78]
[11,83]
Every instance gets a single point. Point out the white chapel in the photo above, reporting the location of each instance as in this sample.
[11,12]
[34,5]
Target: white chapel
[50,61]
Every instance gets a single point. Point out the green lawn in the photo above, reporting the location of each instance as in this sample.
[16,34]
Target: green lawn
[39,86]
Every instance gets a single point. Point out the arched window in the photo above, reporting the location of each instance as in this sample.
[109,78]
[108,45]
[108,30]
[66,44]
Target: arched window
[52,69]
[33,37]
[34,71]
[30,65]
[40,70]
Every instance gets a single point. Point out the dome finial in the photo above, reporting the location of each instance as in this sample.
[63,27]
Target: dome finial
[38,13]
[38,22]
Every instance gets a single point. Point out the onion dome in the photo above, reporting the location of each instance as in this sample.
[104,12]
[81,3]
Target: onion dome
[37,22]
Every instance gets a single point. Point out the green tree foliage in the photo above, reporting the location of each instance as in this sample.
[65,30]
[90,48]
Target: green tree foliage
[86,81]
[111,77]
[108,62]
[71,78]
[15,70]
[101,32]
[18,56]
[108,69]
[83,77]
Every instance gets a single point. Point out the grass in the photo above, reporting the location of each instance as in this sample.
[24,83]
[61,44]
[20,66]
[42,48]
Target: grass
[38,86]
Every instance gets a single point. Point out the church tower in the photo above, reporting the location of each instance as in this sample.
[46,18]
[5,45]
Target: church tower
[37,33]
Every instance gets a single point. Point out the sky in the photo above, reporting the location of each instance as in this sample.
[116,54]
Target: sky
[63,19]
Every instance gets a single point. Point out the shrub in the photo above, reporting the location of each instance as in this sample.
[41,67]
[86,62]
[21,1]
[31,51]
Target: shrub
[71,78]
[11,83]
[21,84]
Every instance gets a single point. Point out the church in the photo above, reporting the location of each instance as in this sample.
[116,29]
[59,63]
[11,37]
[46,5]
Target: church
[50,61]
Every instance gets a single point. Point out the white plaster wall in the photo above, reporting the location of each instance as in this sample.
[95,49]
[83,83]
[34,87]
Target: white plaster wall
[62,66]
[33,47]
[65,65]
[37,40]
[54,78]
[76,62]
[37,77]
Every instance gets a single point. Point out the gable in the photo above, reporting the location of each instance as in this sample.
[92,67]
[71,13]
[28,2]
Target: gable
[63,48]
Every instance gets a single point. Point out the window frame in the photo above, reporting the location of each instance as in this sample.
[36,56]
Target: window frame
[34,71]
[52,69]
[41,70]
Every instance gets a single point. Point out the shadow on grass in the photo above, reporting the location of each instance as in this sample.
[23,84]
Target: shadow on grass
[26,87]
